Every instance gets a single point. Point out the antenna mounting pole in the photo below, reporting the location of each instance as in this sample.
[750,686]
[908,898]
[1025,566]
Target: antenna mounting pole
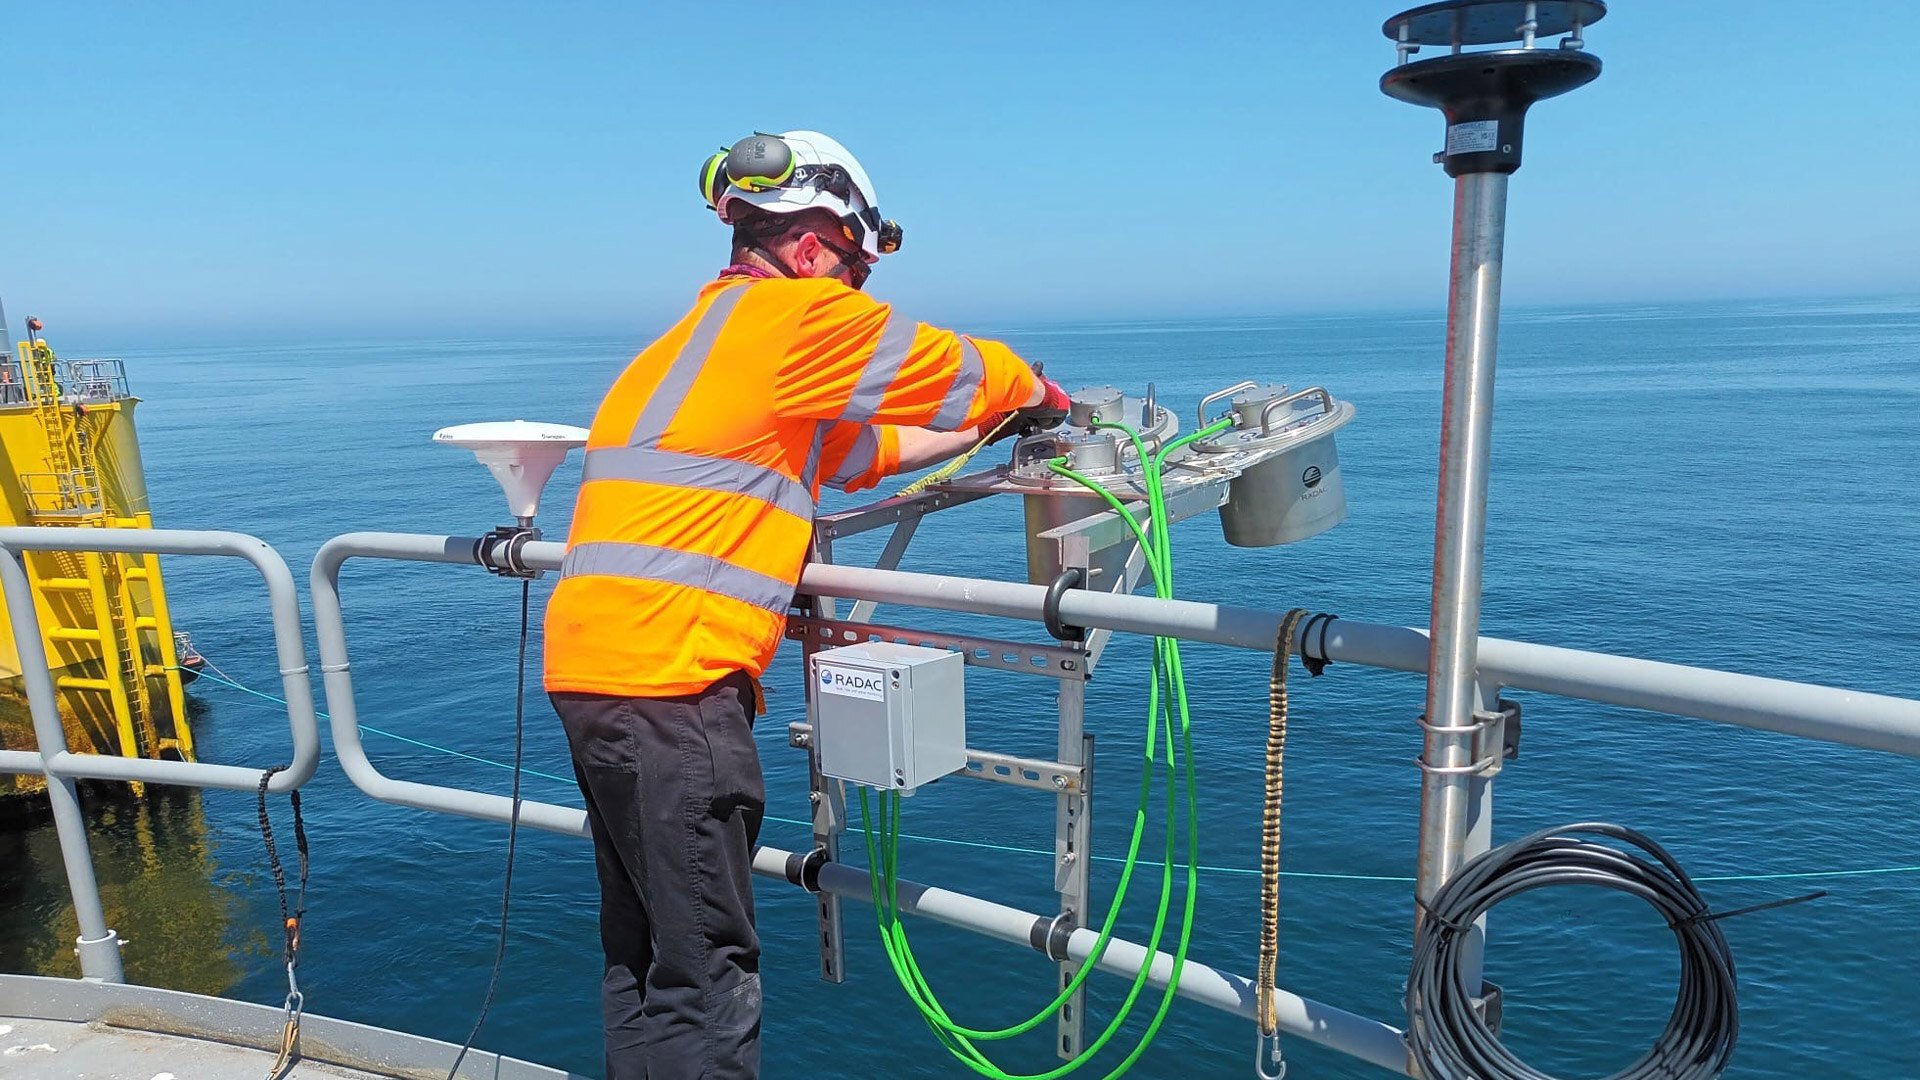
[1484,95]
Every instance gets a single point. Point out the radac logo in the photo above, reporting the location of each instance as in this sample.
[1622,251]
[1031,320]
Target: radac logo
[852,683]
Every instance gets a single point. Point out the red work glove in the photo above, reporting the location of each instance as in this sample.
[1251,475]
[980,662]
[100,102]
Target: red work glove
[1048,414]
[1051,411]
[995,427]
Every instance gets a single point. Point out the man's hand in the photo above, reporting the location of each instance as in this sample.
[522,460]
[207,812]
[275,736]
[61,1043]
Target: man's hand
[1052,407]
[995,428]
[1047,411]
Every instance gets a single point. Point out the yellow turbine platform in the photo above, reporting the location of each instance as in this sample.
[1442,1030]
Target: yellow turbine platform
[72,458]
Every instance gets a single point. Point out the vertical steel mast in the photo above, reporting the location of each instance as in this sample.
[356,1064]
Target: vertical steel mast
[1485,96]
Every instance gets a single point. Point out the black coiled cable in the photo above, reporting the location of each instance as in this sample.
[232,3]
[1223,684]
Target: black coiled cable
[1448,1037]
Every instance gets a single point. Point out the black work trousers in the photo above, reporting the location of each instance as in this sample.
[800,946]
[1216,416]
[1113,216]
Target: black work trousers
[674,798]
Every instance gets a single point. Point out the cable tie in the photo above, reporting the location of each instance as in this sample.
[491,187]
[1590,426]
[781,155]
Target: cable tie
[1442,921]
[1716,916]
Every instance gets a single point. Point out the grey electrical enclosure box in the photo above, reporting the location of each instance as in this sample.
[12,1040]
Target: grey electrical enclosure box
[888,715]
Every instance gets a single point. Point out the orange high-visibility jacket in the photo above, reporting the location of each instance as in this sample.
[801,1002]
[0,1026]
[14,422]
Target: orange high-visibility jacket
[705,463]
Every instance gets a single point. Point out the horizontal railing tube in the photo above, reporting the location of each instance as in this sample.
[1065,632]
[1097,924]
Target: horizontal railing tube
[283,604]
[1350,1033]
[1830,714]
[336,678]
[1369,1040]
[1866,720]
[98,945]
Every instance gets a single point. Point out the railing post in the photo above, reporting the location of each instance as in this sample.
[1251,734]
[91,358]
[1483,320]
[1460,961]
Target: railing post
[98,945]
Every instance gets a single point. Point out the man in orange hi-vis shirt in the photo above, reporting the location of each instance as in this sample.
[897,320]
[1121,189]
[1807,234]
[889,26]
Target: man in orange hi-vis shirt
[694,518]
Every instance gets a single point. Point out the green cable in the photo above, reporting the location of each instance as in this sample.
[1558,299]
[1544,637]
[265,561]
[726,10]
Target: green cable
[921,993]
[952,1035]
[914,981]
[1113,910]
[1167,666]
[1176,676]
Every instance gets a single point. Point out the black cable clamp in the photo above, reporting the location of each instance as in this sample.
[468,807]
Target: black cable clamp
[503,551]
[804,870]
[1316,665]
[1071,578]
[1050,936]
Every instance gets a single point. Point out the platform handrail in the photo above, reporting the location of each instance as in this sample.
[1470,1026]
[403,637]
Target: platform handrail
[1826,713]
[98,945]
[1870,721]
[283,603]
[336,676]
[1831,714]
[1350,1033]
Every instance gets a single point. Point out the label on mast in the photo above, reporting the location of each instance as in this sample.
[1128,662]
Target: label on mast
[1473,137]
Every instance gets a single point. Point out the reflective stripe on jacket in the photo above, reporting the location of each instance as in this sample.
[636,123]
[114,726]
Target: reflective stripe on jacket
[705,462]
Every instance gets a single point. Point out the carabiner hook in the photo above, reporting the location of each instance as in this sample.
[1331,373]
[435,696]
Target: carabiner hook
[1266,1049]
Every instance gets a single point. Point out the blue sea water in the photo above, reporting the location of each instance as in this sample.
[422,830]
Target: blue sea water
[1728,485]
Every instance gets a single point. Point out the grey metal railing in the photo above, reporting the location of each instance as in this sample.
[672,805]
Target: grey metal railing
[98,945]
[1829,714]
[93,382]
[71,495]
[1348,1032]
[336,676]
[1870,721]
[1835,715]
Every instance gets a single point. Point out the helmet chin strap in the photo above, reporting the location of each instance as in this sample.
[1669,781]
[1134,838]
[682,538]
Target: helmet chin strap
[767,256]
[780,265]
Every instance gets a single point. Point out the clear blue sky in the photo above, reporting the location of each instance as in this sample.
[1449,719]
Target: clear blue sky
[433,166]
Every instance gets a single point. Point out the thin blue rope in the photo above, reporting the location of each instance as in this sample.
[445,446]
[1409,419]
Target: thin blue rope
[1012,850]
[369,728]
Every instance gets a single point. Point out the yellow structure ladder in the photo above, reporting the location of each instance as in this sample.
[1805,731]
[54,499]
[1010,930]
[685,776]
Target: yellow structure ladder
[91,593]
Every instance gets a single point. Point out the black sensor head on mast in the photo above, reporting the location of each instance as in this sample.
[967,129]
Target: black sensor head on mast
[1485,95]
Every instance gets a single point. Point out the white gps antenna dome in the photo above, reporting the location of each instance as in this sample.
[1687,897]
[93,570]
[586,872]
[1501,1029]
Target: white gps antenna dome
[521,455]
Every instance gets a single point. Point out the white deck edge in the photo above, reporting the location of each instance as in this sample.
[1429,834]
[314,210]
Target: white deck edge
[238,1023]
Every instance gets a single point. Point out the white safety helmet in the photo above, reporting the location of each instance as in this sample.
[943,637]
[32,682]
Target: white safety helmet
[800,170]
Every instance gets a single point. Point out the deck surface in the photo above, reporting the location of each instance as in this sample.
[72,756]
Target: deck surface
[71,1029]
[68,1050]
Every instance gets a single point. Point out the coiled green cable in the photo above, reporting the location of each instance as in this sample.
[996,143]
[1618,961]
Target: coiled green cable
[1167,670]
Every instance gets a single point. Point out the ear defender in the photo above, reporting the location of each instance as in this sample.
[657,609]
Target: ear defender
[712,179]
[759,163]
[762,162]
